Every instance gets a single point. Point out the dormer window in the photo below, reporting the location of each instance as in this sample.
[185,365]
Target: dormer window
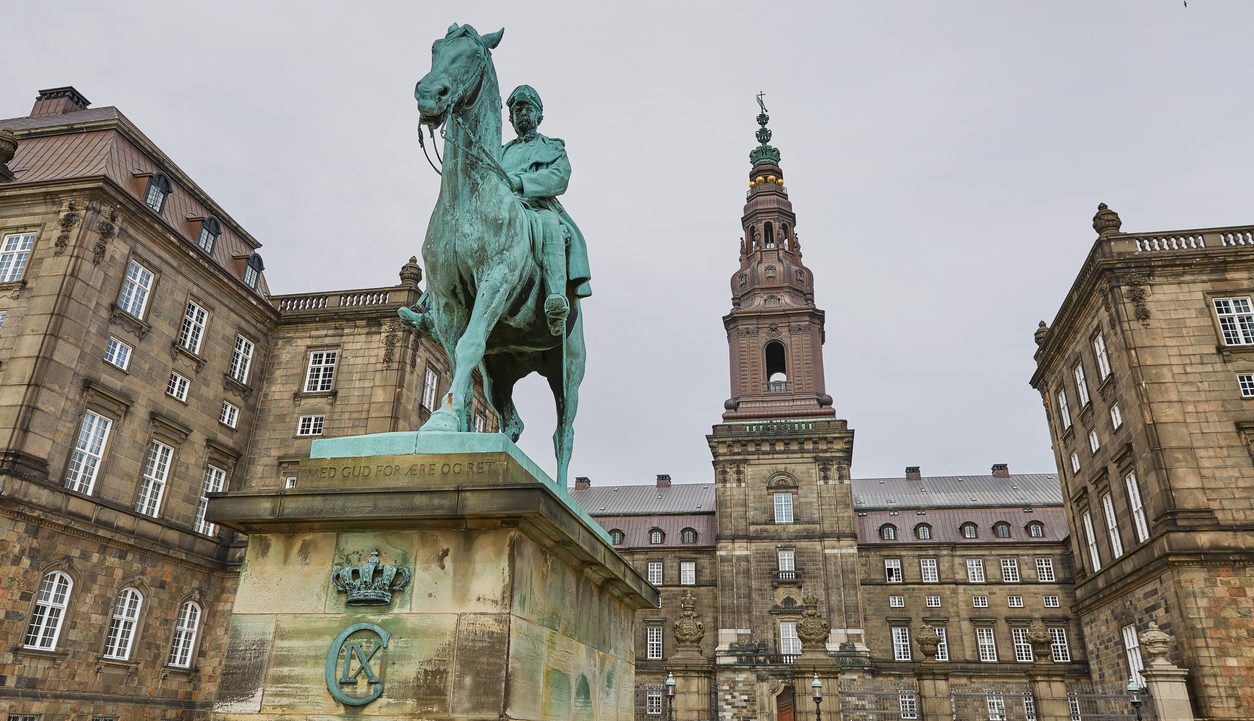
[656,536]
[688,535]
[888,532]
[616,537]
[252,270]
[1036,529]
[210,229]
[969,530]
[156,193]
[1001,529]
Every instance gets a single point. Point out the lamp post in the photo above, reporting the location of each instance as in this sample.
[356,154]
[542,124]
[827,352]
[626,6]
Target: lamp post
[1134,697]
[670,696]
[818,696]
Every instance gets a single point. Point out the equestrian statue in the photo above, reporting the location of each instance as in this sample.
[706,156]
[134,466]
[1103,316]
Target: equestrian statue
[506,266]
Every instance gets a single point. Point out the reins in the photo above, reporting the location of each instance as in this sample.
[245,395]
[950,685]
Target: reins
[472,151]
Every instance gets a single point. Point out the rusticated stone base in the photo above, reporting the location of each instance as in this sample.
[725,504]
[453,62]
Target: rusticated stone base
[516,609]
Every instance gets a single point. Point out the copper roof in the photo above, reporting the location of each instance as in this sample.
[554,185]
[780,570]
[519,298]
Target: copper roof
[636,529]
[646,500]
[1020,489]
[945,524]
[102,142]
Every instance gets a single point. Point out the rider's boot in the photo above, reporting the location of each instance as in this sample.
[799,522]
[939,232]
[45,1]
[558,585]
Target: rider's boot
[556,307]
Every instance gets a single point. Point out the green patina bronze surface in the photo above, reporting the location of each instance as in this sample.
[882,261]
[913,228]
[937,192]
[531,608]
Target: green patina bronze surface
[506,265]
[371,583]
[764,153]
[349,660]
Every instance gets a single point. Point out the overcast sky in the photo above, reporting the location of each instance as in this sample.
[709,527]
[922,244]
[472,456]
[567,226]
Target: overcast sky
[944,159]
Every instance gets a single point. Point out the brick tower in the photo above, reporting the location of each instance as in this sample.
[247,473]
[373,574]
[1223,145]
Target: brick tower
[774,330]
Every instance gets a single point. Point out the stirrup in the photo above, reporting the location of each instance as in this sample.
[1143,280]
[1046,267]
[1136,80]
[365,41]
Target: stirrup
[556,309]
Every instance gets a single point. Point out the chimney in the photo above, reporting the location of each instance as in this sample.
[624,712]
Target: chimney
[582,483]
[1001,470]
[58,101]
[663,480]
[913,474]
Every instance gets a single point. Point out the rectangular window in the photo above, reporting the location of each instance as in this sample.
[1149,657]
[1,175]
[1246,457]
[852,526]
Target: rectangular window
[1014,601]
[1010,570]
[88,450]
[1139,523]
[50,604]
[986,643]
[3,315]
[24,717]
[193,330]
[133,298]
[896,601]
[1081,388]
[1064,413]
[1075,462]
[215,479]
[1090,539]
[1052,602]
[1045,569]
[908,703]
[996,704]
[942,649]
[901,643]
[653,703]
[289,482]
[481,423]
[979,602]
[1116,417]
[687,573]
[207,237]
[787,559]
[430,388]
[789,642]
[1029,706]
[177,387]
[654,571]
[250,276]
[1059,651]
[1023,647]
[1103,360]
[1094,442]
[653,643]
[321,371]
[242,359]
[310,425]
[229,415]
[1132,651]
[932,601]
[156,473]
[1246,381]
[927,570]
[975,570]
[892,570]
[1112,526]
[1236,320]
[1073,707]
[14,254]
[783,508]
[117,353]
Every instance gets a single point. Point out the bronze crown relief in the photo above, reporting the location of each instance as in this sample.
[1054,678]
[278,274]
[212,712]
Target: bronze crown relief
[370,583]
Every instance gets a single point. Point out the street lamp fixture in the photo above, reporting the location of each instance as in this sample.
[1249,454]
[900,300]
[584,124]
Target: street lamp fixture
[670,696]
[817,686]
[1134,697]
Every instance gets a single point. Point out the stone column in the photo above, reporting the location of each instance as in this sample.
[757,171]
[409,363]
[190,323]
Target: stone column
[1165,681]
[1046,680]
[440,575]
[694,674]
[932,677]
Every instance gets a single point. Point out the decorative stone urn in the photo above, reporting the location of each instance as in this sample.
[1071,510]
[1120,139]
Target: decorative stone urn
[8,145]
[689,629]
[1038,637]
[929,642]
[1156,643]
[812,628]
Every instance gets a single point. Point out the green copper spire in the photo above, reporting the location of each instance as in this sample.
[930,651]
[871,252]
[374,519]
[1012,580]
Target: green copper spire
[763,153]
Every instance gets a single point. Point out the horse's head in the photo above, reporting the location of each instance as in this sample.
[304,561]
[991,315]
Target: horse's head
[458,62]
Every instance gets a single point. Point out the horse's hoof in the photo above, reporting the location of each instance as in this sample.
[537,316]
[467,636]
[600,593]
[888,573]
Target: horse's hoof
[443,420]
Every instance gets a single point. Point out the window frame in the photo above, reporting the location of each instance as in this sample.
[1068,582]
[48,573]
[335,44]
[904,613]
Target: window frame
[1064,410]
[192,329]
[790,642]
[1132,653]
[17,248]
[41,611]
[132,285]
[688,536]
[979,601]
[931,601]
[1035,529]
[314,428]
[430,388]
[214,482]
[974,531]
[1013,601]
[1102,356]
[1075,463]
[1010,570]
[653,642]
[1116,417]
[617,536]
[159,183]
[896,601]
[1051,601]
[183,640]
[975,571]
[1059,649]
[319,371]
[1239,322]
[892,568]
[1090,538]
[790,554]
[656,536]
[229,419]
[123,625]
[1045,570]
[1081,386]
[1140,524]
[942,648]
[211,230]
[1001,529]
[888,532]
[923,532]
[73,474]
[929,563]
[900,636]
[1022,646]
[782,503]
[654,570]
[242,359]
[178,386]
[155,478]
[687,573]
[1112,526]
[114,355]
[986,640]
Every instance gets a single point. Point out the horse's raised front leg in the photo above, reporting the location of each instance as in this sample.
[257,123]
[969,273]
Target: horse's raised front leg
[490,302]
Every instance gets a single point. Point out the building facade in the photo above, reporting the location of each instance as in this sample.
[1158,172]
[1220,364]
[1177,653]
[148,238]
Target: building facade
[1148,386]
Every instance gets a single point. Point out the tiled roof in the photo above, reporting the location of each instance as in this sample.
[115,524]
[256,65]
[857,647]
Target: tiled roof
[945,523]
[646,500]
[636,529]
[1021,489]
[103,142]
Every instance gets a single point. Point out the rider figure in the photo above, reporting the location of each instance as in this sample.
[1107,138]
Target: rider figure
[539,172]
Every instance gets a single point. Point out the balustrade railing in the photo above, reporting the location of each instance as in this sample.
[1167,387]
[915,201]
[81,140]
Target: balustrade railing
[1185,241]
[364,298]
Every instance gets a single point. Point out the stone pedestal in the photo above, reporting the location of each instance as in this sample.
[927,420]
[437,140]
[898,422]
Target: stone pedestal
[515,605]
[1168,692]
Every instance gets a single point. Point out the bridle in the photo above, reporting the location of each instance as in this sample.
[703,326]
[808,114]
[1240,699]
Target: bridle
[458,100]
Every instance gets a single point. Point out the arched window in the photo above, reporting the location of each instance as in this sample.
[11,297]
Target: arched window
[50,605]
[688,535]
[184,640]
[1036,529]
[157,191]
[122,626]
[888,532]
[969,530]
[783,233]
[656,536]
[776,367]
[769,234]
[252,270]
[210,229]
[923,532]
[1001,529]
[616,537]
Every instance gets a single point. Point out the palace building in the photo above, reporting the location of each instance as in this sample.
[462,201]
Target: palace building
[145,364]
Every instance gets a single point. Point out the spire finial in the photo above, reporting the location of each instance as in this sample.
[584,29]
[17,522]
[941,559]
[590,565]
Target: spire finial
[764,153]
